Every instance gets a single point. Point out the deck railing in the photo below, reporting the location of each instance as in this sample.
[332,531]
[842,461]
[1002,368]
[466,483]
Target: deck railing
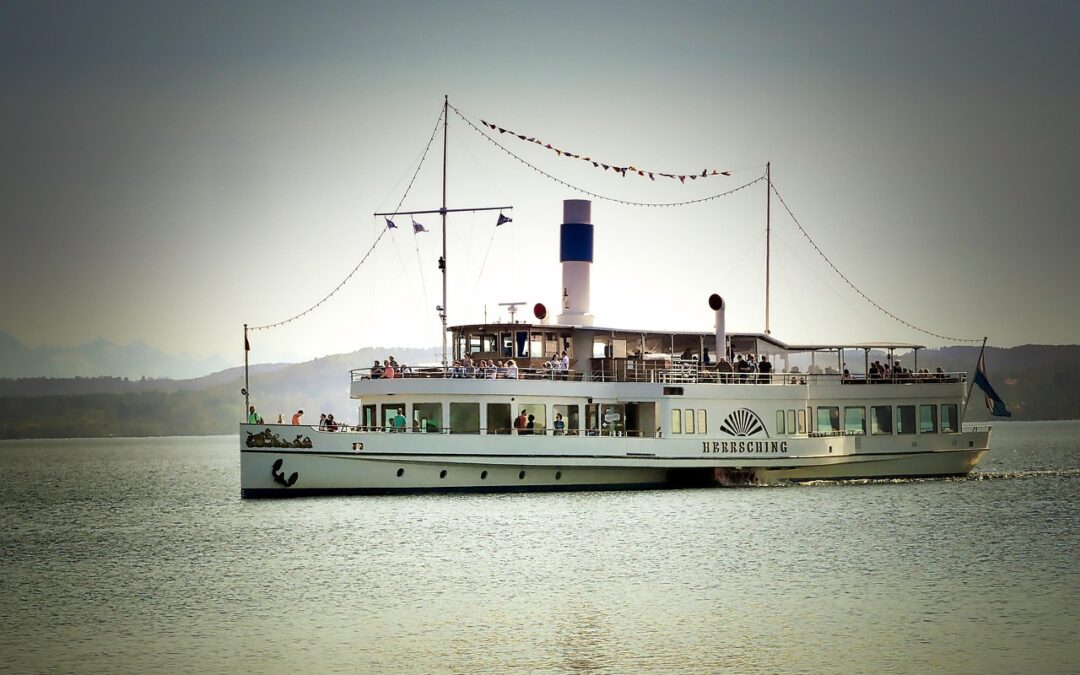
[677,373]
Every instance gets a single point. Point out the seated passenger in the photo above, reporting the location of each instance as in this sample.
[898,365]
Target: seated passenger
[388,371]
[376,371]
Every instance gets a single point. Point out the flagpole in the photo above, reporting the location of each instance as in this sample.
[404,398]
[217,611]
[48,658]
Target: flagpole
[768,236]
[247,397]
[971,384]
[442,261]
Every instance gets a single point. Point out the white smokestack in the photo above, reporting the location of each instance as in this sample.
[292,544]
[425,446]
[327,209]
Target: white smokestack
[576,255]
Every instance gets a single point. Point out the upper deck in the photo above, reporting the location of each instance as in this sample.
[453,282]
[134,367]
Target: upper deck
[528,351]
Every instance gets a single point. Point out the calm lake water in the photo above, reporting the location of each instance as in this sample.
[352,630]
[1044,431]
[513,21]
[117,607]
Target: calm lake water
[137,556]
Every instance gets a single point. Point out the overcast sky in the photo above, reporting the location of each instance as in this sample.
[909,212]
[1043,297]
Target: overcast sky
[170,171]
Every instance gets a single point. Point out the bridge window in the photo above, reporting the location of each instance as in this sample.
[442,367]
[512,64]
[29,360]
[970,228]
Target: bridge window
[928,419]
[949,421]
[464,418]
[676,421]
[780,422]
[880,420]
[905,419]
[702,427]
[802,421]
[791,421]
[689,421]
[828,418]
[855,420]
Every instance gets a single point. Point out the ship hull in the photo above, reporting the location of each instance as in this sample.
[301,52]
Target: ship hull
[383,463]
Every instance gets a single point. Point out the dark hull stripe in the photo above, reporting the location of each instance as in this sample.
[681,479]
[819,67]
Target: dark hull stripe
[280,493]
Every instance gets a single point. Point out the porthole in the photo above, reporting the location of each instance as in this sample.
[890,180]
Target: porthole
[400,473]
[442,474]
[521,476]
[558,475]
[483,475]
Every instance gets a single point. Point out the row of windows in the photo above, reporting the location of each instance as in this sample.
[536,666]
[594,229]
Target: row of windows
[694,423]
[907,419]
[504,418]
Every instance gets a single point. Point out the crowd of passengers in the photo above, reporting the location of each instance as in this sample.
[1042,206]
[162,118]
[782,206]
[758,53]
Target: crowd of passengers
[388,369]
[492,369]
[739,371]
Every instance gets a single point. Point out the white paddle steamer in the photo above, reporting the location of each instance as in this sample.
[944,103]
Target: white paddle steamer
[631,409]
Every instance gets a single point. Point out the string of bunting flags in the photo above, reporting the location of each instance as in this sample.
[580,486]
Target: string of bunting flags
[607,166]
[596,195]
[419,227]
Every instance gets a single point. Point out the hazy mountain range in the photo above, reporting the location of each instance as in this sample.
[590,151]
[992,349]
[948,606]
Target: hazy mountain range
[100,357]
[1036,381]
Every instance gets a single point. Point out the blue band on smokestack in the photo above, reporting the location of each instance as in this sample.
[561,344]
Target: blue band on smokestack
[576,242]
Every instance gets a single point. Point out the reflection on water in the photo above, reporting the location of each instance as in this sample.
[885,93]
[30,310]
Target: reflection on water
[136,555]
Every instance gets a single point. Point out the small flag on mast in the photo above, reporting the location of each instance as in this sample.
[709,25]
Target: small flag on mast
[418,228]
[993,401]
[503,219]
[390,224]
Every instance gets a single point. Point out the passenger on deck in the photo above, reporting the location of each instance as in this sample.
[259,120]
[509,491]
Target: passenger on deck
[388,370]
[765,368]
[724,369]
[399,421]
[565,361]
[511,370]
[530,426]
[296,418]
[559,425]
[322,421]
[376,371]
[939,373]
[253,417]
[457,370]
[686,355]
[520,422]
[500,369]
[705,360]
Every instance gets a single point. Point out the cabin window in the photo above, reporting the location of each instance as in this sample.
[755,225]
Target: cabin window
[369,417]
[828,418]
[880,420]
[855,420]
[676,421]
[791,421]
[464,418]
[905,419]
[538,411]
[702,427]
[427,417]
[498,418]
[571,419]
[802,421]
[689,418]
[949,423]
[928,419]
[389,410]
[780,422]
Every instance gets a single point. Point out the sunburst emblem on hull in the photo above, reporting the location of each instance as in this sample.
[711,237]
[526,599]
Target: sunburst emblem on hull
[743,422]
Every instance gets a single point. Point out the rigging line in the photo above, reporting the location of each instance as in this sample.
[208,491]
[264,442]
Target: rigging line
[594,194]
[856,288]
[366,255]
[377,240]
